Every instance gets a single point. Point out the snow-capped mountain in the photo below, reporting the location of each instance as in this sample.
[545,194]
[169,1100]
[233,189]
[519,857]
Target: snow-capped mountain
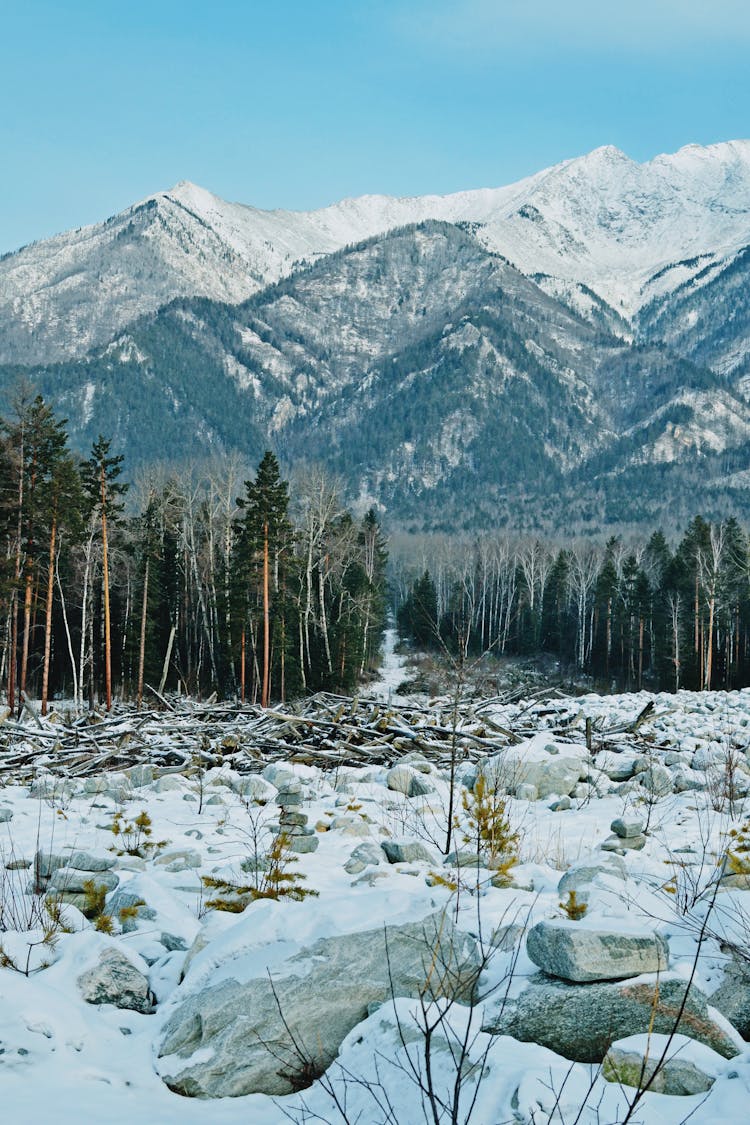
[574,347]
[598,228]
[433,377]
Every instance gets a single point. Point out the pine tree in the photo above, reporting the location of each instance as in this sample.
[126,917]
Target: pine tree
[104,493]
[266,537]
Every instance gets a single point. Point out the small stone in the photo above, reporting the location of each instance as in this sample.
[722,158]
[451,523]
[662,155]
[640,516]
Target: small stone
[527,792]
[293,818]
[406,852]
[69,880]
[86,861]
[6,814]
[627,827]
[562,805]
[368,853]
[657,780]
[116,980]
[289,798]
[464,857]
[302,845]
[624,843]
[404,779]
[173,943]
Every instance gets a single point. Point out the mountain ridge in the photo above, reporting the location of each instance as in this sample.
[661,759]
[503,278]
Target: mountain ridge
[588,221]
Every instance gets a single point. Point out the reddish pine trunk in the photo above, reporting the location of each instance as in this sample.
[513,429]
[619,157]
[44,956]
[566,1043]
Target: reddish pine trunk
[48,617]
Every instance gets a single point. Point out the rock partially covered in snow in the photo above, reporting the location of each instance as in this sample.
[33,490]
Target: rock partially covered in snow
[598,868]
[116,980]
[407,851]
[232,1038]
[689,1067]
[572,951]
[405,779]
[551,767]
[581,1021]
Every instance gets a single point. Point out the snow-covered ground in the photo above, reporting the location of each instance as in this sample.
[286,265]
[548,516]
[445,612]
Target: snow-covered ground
[70,1061]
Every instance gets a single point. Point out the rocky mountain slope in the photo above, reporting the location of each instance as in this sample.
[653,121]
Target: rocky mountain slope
[446,411]
[629,232]
[570,348]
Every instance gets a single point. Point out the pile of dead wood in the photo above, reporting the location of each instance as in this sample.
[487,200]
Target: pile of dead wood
[324,730]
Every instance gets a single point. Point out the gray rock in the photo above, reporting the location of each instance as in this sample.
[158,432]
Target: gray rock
[124,899]
[526,791]
[571,951]
[298,819]
[6,814]
[404,851]
[303,845]
[656,780]
[173,943]
[581,1021]
[464,857]
[323,992]
[732,997]
[45,863]
[617,767]
[623,844]
[289,798]
[627,826]
[581,875]
[563,805]
[368,853]
[87,861]
[404,779]
[116,980]
[71,881]
[551,769]
[688,1069]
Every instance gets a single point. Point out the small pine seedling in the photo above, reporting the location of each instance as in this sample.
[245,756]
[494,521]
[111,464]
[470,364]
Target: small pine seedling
[572,908]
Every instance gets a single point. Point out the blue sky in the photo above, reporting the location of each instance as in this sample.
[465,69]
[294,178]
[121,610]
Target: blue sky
[296,104]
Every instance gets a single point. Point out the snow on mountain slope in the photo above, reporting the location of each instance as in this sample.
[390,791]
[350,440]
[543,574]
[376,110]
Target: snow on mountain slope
[601,221]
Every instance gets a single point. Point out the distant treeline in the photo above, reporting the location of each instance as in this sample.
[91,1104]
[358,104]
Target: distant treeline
[204,584]
[650,615]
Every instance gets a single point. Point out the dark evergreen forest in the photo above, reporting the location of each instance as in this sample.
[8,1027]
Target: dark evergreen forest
[648,615]
[197,581]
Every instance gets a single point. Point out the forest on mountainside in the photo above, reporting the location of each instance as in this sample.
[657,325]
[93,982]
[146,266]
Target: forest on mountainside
[203,583]
[631,615]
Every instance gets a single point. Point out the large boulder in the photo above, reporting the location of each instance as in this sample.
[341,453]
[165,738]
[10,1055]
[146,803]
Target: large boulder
[275,1032]
[549,766]
[581,1021]
[116,980]
[572,951]
[688,1068]
[732,997]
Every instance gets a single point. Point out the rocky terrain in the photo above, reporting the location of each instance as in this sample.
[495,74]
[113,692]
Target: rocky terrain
[227,938]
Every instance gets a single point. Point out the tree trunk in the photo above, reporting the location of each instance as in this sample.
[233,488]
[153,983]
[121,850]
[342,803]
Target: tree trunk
[265,693]
[105,590]
[142,645]
[48,617]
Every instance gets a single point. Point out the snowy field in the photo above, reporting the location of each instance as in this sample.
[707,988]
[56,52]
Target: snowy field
[663,886]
